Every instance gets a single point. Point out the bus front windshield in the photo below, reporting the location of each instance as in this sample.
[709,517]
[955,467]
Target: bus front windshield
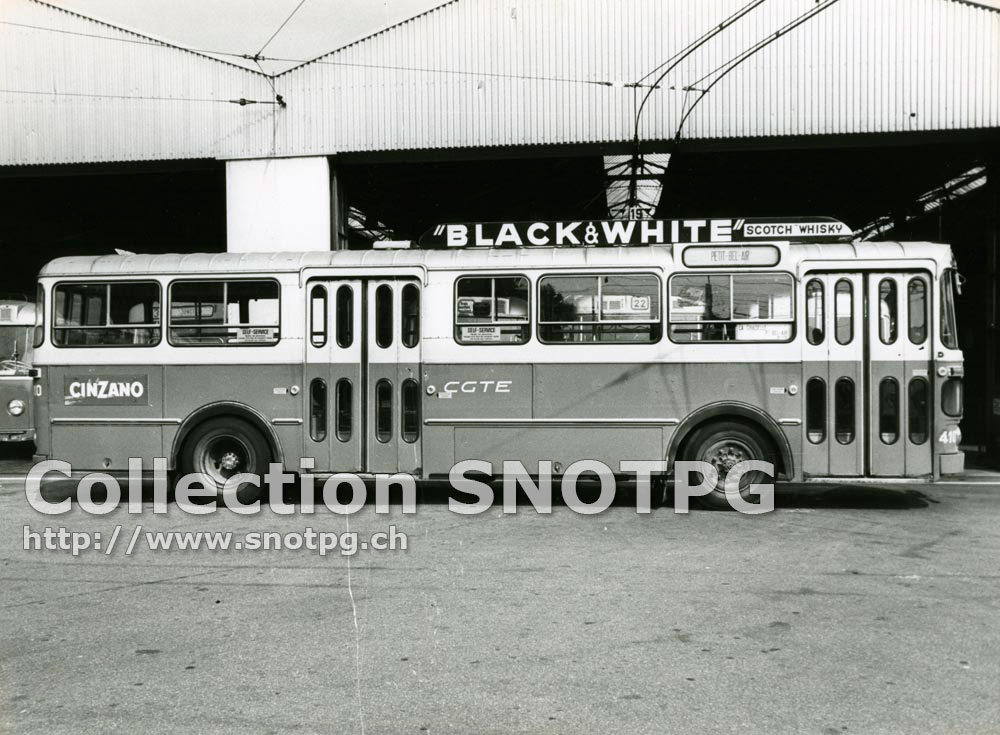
[14,343]
[949,323]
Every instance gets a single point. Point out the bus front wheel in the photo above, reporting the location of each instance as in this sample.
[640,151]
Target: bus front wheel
[725,444]
[223,447]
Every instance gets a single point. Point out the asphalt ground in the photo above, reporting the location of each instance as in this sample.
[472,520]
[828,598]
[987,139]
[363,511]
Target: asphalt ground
[852,609]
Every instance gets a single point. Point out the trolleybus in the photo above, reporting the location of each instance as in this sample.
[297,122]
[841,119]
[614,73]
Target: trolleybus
[17,321]
[831,359]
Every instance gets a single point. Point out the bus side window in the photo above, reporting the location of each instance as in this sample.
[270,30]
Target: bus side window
[491,310]
[599,308]
[741,307]
[815,313]
[234,313]
[107,314]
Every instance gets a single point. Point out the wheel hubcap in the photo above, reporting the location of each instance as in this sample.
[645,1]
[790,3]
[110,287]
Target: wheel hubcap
[221,457]
[726,454]
[229,461]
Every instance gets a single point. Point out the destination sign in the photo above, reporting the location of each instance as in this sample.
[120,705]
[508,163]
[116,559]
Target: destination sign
[597,233]
[728,255]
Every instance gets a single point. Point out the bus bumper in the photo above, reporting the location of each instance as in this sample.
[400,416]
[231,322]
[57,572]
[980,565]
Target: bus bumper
[17,436]
[952,464]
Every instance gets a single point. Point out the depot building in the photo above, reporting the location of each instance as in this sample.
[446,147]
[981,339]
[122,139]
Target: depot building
[884,116]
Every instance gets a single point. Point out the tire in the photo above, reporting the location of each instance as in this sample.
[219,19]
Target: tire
[723,444]
[222,447]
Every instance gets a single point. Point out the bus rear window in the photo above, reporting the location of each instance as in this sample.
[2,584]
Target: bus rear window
[745,307]
[491,310]
[235,313]
[106,314]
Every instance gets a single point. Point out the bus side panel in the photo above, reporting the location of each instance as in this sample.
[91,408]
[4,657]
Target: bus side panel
[816,450]
[616,390]
[469,396]
[438,444]
[665,390]
[102,415]
[559,444]
[669,392]
[271,390]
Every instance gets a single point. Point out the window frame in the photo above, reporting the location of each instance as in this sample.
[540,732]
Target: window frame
[384,288]
[791,321]
[926,415]
[406,436]
[897,415]
[404,342]
[318,338]
[843,379]
[816,380]
[242,279]
[630,322]
[926,302]
[107,314]
[948,317]
[893,291]
[529,322]
[822,302]
[850,292]
[338,322]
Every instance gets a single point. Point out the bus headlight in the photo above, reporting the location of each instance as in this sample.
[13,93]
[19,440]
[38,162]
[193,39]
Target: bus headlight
[15,407]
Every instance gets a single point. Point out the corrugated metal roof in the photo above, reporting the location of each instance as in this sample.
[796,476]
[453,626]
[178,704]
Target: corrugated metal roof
[113,95]
[221,264]
[480,73]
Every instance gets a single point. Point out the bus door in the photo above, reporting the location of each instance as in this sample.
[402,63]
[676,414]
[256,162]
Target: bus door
[833,375]
[899,376]
[333,375]
[393,395]
[362,374]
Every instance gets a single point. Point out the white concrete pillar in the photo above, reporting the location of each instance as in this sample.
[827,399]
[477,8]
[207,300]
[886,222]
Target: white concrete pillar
[278,204]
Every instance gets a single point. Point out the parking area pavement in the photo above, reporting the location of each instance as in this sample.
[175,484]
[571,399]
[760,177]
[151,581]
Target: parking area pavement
[854,609]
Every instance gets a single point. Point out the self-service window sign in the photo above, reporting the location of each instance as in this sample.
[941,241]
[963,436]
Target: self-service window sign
[728,256]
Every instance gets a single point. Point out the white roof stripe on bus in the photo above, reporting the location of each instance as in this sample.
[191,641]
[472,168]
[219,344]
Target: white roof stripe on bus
[459,258]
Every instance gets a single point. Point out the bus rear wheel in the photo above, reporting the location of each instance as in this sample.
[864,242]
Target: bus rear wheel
[223,447]
[725,444]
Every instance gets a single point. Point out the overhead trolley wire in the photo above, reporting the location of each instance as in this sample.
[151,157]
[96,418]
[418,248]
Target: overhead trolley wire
[726,67]
[242,102]
[283,24]
[469,73]
[256,58]
[671,64]
[134,41]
